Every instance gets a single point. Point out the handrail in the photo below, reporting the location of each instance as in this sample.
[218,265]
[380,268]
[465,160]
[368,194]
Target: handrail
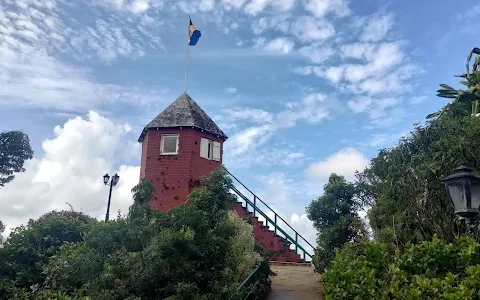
[275,214]
[252,273]
[248,278]
[295,242]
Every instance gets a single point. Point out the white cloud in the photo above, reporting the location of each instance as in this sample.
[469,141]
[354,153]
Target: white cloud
[249,138]
[470,13]
[279,45]
[371,68]
[71,170]
[140,6]
[305,228]
[252,115]
[33,28]
[381,139]
[376,28]
[31,76]
[378,139]
[312,108]
[358,50]
[229,4]
[376,107]
[230,90]
[360,104]
[307,28]
[284,5]
[279,22]
[306,70]
[344,162]
[191,7]
[320,8]
[258,42]
[316,54]
[381,111]
[37,80]
[383,69]
[206,5]
[275,155]
[417,100]
[334,74]
[254,7]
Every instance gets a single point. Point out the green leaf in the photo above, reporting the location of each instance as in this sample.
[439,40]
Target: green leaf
[447,87]
[433,115]
[447,91]
[447,96]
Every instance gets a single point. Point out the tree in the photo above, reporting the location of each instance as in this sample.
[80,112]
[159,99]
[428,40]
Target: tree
[14,151]
[465,102]
[2,229]
[403,186]
[29,248]
[334,216]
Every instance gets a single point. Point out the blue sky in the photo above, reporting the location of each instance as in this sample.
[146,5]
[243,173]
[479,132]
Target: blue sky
[302,88]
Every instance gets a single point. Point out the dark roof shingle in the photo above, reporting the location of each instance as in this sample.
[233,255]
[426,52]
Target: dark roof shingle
[184,112]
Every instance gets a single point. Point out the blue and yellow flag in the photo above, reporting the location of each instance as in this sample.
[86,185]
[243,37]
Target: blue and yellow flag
[194,35]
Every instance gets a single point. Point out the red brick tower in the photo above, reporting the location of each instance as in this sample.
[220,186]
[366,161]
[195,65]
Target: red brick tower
[179,146]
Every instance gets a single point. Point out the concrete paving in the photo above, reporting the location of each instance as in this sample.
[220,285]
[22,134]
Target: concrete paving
[295,282]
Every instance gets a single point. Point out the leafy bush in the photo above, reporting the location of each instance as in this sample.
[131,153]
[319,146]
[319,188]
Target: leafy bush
[429,270]
[198,251]
[29,248]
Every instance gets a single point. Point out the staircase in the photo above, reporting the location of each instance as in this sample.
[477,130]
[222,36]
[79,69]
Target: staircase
[277,243]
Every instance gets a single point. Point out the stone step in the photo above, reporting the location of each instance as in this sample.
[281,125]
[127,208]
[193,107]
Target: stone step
[271,242]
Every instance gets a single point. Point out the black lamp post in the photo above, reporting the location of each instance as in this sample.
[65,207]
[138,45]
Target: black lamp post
[464,189]
[113,182]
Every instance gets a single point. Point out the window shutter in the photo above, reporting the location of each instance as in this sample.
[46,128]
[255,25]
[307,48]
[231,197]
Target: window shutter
[204,148]
[216,151]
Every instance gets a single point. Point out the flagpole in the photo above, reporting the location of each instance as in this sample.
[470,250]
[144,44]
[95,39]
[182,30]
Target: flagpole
[186,57]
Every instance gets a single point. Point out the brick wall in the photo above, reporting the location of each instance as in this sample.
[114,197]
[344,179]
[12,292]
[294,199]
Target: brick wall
[199,165]
[172,175]
[143,160]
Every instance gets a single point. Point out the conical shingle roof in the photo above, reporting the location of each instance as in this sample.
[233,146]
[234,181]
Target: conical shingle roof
[184,112]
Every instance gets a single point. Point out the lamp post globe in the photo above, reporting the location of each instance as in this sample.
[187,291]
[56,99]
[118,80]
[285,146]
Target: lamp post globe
[463,187]
[106,178]
[115,179]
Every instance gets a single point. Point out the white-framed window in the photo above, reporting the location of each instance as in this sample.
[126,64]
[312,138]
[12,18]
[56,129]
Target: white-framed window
[169,144]
[210,149]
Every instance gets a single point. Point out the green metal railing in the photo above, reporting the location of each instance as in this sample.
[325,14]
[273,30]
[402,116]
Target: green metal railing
[251,276]
[274,222]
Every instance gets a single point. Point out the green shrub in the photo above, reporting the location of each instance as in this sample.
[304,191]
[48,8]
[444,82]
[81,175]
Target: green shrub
[193,252]
[430,270]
